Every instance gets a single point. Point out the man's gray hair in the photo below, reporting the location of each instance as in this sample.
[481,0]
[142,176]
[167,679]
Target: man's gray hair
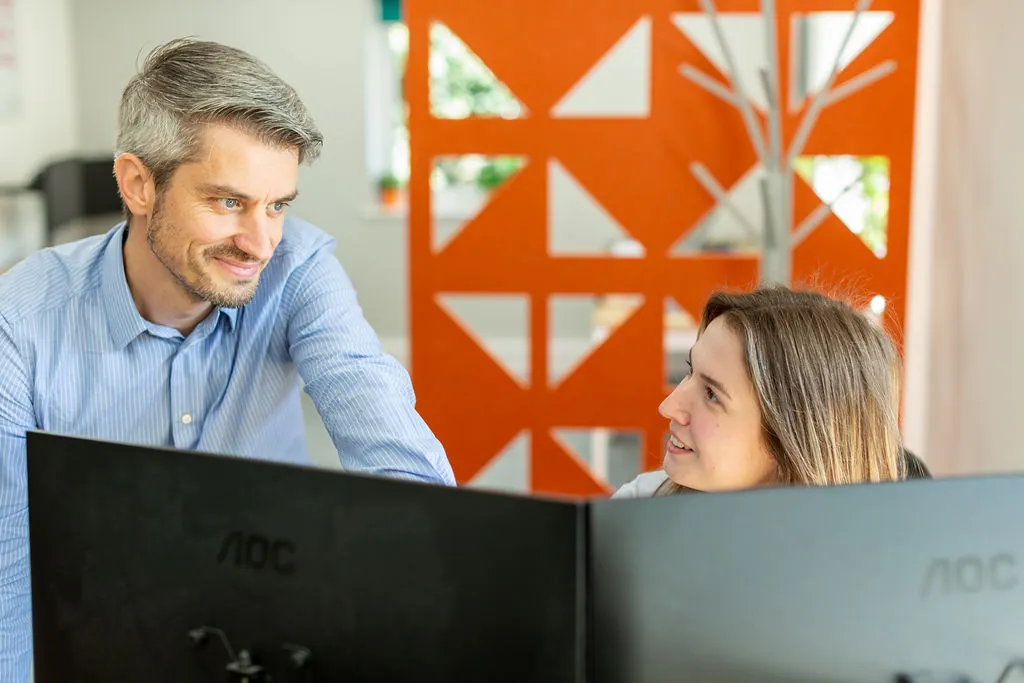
[187,83]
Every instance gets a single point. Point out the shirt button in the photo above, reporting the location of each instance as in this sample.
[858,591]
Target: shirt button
[186,418]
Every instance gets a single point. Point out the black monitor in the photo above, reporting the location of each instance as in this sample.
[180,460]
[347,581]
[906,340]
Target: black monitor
[850,584]
[161,565]
[167,566]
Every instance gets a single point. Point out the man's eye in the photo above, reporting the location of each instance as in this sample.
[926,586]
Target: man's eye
[229,203]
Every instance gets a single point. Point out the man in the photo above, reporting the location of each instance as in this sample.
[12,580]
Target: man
[190,325]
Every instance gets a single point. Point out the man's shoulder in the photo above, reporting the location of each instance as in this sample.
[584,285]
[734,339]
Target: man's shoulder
[300,240]
[51,278]
[302,245]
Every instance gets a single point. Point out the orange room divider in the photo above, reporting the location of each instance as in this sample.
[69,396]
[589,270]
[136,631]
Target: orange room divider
[630,103]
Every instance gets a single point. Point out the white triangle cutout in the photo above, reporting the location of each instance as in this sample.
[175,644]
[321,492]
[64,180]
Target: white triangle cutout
[582,442]
[579,323]
[455,208]
[509,471]
[595,448]
[836,174]
[446,227]
[745,34]
[720,226]
[577,224]
[500,324]
[512,107]
[678,318]
[618,85]
[825,33]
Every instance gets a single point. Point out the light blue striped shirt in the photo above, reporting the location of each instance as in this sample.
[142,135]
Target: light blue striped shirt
[76,357]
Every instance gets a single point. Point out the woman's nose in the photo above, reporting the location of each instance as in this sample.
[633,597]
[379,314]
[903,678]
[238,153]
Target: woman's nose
[675,407]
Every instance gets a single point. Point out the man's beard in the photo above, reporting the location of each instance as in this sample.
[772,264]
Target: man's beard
[201,287]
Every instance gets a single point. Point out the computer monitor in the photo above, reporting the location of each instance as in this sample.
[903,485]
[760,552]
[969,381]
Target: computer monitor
[143,558]
[853,584]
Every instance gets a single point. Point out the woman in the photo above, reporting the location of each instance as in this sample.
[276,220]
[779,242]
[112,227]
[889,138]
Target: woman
[785,388]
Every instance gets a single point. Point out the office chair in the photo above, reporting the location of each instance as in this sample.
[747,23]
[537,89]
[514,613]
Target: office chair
[76,188]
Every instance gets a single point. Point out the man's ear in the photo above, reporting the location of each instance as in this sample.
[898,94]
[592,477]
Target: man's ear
[138,191]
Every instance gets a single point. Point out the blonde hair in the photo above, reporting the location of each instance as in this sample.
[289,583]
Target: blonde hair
[827,381]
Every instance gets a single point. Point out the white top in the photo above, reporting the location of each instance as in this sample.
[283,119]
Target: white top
[643,486]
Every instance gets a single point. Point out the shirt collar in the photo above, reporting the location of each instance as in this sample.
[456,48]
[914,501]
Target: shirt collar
[123,317]
[231,314]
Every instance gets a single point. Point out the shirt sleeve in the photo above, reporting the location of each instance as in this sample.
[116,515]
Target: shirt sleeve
[364,396]
[16,418]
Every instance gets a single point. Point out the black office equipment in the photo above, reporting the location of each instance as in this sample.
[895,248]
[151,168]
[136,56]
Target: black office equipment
[849,584]
[74,188]
[157,565]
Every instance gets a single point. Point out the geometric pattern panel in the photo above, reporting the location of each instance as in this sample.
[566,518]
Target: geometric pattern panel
[855,189]
[604,315]
[821,32]
[650,171]
[619,83]
[577,224]
[458,108]
[509,314]
[509,470]
[611,456]
[471,201]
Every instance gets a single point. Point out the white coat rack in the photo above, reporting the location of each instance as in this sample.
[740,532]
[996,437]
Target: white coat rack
[780,234]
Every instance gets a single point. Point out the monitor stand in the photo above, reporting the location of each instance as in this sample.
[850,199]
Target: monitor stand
[240,668]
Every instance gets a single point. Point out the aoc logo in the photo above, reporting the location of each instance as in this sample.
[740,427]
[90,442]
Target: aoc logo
[258,553]
[970,574]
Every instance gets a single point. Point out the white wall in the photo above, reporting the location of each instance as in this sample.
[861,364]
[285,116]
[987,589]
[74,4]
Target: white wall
[976,371]
[46,124]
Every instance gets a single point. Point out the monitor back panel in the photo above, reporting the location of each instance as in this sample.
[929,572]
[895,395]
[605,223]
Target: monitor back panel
[133,548]
[850,584]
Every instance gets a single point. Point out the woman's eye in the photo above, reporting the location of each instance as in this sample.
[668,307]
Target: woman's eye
[710,394]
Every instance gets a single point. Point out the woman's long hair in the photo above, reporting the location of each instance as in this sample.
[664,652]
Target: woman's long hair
[827,380]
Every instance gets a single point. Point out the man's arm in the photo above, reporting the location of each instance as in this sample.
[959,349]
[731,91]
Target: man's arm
[16,417]
[364,396]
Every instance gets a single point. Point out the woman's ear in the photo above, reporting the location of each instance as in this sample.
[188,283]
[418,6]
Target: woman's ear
[138,191]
